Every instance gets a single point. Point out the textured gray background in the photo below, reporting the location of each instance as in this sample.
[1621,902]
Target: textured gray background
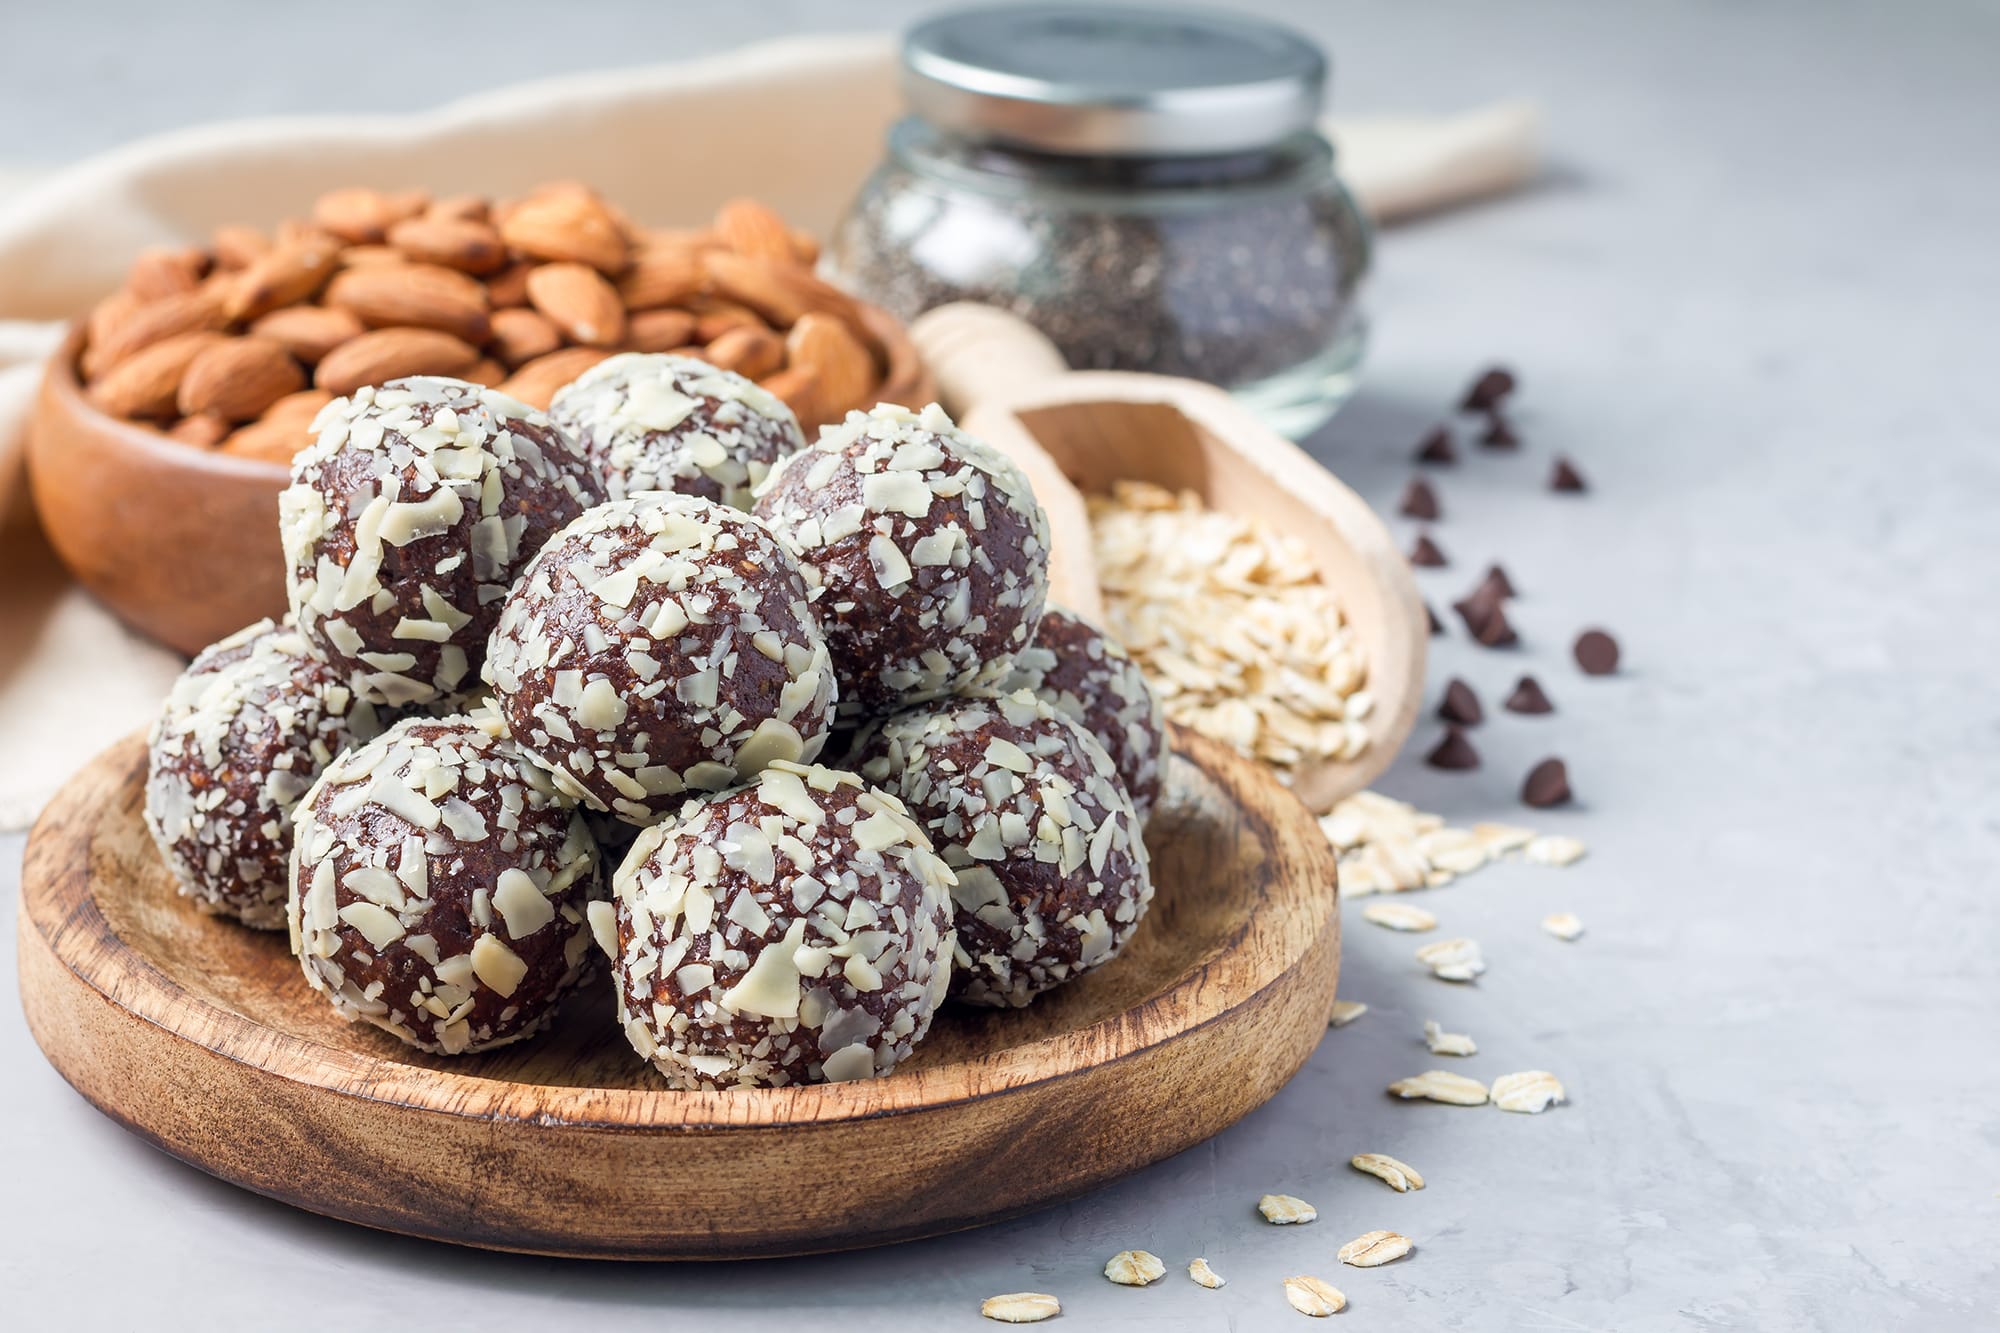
[1756,301]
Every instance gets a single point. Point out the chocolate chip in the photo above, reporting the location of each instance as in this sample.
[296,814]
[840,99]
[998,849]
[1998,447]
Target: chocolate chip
[1436,448]
[1487,391]
[1567,478]
[1453,752]
[1426,555]
[1461,705]
[1547,784]
[1596,652]
[1494,631]
[1419,500]
[1437,626]
[1496,584]
[1499,435]
[1528,697]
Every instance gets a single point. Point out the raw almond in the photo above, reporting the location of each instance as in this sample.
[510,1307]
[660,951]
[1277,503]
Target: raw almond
[203,432]
[145,383]
[359,214]
[536,383]
[387,354]
[305,405]
[747,351]
[713,318]
[422,296]
[289,274]
[805,246]
[661,277]
[468,246]
[519,336]
[238,378]
[846,371]
[567,223]
[156,273]
[274,439]
[458,208]
[658,330]
[751,228]
[309,332]
[485,371]
[798,386]
[509,287]
[579,301]
[238,247]
[200,310]
[372,256]
[780,293]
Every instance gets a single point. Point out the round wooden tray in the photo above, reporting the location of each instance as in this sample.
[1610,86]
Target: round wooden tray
[200,1036]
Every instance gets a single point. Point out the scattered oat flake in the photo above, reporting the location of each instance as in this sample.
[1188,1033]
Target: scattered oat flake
[1021,1307]
[1310,1295]
[1554,849]
[1437,1085]
[1203,1275]
[1345,1012]
[1400,916]
[1530,1092]
[1447,1043]
[1563,925]
[1453,959]
[1283,1210]
[1374,1249]
[1398,1176]
[1134,1268]
[1501,838]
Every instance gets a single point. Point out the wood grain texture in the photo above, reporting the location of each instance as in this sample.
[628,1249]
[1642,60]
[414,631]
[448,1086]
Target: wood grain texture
[1003,380]
[181,543]
[201,1036]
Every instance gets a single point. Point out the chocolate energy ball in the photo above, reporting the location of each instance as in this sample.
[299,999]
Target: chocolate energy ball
[660,643]
[925,549]
[246,730]
[438,886]
[1025,807]
[794,931]
[1091,680]
[407,520]
[672,423]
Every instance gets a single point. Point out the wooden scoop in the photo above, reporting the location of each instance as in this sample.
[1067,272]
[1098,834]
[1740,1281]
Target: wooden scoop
[1080,431]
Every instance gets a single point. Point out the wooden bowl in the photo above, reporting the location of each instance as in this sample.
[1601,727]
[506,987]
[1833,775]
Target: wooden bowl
[202,1037]
[181,542]
[1081,431]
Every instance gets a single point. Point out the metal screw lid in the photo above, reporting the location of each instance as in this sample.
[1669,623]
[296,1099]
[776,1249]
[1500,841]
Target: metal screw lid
[1086,79]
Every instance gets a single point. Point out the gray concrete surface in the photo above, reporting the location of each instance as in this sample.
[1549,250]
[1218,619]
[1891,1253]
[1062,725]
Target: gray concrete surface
[1756,302]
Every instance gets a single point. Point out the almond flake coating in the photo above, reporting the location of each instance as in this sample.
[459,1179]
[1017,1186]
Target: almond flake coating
[1374,1249]
[243,734]
[1094,682]
[1400,916]
[409,517]
[1398,1176]
[659,645]
[1203,1275]
[1021,1307]
[1530,1092]
[1453,959]
[1447,1043]
[439,887]
[1310,1295]
[925,553]
[1439,1086]
[1025,807]
[673,423]
[1134,1268]
[797,930]
[1285,1210]
[1345,1012]
[1563,925]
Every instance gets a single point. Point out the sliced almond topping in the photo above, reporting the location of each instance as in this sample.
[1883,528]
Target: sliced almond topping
[1134,1268]
[1345,1012]
[1398,1176]
[1447,1043]
[1400,916]
[1563,925]
[1203,1275]
[1436,1085]
[1530,1092]
[1374,1249]
[1310,1295]
[1021,1307]
[1285,1210]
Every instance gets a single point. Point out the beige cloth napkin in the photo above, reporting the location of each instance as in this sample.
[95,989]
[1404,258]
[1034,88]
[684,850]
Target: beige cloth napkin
[797,123]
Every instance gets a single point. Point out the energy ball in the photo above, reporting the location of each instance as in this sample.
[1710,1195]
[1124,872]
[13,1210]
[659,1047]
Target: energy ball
[661,643]
[1025,807]
[1092,681]
[246,730]
[407,520]
[794,931]
[673,423]
[925,549]
[438,887]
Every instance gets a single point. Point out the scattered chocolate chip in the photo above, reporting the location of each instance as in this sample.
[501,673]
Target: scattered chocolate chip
[1497,584]
[1494,631]
[1453,752]
[1436,448]
[1426,555]
[1419,500]
[1437,626]
[1547,784]
[1487,391]
[1567,478]
[1499,435]
[1461,705]
[1596,652]
[1528,697]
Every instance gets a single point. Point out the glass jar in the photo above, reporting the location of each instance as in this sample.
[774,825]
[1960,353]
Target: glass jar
[1147,188]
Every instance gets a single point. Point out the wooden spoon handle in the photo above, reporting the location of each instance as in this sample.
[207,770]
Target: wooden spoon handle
[979,354]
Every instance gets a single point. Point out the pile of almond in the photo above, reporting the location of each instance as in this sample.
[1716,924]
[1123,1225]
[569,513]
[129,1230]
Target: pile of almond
[237,344]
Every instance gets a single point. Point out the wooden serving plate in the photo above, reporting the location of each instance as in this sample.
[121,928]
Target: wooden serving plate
[200,1036]
[181,542]
[1084,430]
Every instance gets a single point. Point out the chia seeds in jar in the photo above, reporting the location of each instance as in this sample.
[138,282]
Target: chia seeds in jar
[1145,186]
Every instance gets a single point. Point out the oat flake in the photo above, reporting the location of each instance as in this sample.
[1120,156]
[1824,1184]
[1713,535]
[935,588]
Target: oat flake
[1530,1093]
[1135,1268]
[1563,925]
[1437,1085]
[1310,1295]
[1021,1307]
[1345,1012]
[1203,1275]
[1399,916]
[1284,1210]
[1374,1249]
[1398,1176]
